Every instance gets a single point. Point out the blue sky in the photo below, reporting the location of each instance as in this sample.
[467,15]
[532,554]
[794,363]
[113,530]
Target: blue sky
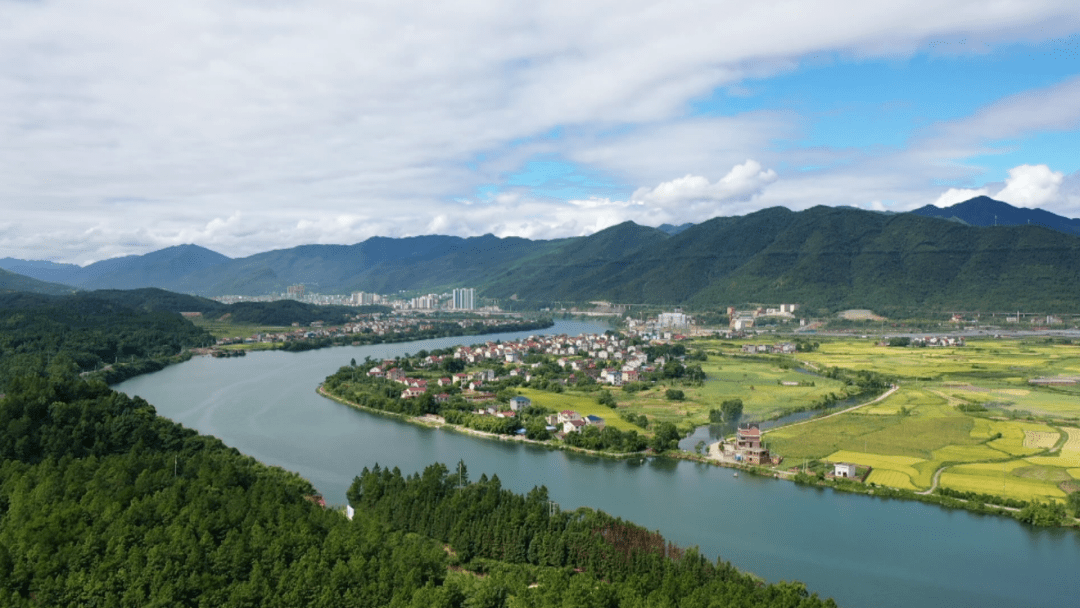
[245,126]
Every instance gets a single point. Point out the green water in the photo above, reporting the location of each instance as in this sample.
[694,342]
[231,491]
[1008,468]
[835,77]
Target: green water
[862,551]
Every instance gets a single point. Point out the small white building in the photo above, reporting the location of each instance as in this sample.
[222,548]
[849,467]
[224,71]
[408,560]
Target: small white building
[844,469]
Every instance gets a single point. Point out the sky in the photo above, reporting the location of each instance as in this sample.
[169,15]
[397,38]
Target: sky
[249,125]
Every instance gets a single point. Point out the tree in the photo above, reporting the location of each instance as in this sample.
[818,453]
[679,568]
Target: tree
[1073,503]
[674,394]
[732,409]
[606,398]
[667,437]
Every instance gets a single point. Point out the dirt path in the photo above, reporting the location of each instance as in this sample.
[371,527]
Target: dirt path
[934,484]
[880,397]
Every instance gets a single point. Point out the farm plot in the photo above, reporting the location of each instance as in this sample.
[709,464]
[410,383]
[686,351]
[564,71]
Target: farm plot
[1068,457]
[758,382]
[893,479]
[1000,480]
[1039,439]
[1014,435]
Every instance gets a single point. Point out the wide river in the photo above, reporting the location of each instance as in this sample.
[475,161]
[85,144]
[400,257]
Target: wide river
[862,551]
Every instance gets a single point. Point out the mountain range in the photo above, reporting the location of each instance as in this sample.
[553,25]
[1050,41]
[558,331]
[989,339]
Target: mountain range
[825,257]
[985,211]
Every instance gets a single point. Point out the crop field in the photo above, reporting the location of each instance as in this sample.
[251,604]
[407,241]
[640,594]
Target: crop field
[1068,457]
[894,479]
[934,420]
[225,329]
[887,469]
[1014,480]
[907,446]
[1038,439]
[583,403]
[757,383]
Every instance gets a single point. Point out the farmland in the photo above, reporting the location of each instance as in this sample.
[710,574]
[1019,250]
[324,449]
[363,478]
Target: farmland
[968,411]
[756,381]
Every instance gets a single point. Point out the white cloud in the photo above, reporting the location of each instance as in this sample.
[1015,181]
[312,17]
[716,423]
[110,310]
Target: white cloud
[126,126]
[694,193]
[1031,186]
[959,195]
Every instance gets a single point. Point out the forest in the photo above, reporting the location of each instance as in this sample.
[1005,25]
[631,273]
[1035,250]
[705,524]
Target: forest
[86,333]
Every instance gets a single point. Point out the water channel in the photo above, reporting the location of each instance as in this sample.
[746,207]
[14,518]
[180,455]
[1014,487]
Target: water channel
[862,551]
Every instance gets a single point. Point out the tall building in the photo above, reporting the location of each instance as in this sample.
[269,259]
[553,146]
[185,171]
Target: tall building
[465,298]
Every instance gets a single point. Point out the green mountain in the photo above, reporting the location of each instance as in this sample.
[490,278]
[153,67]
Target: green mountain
[824,257]
[835,258]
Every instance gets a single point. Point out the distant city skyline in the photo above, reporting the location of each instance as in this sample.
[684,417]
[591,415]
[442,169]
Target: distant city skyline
[243,127]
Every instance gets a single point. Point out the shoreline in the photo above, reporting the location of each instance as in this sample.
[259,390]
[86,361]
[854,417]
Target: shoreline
[884,492]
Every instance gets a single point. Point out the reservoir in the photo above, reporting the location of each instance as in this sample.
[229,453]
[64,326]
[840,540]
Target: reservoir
[862,551]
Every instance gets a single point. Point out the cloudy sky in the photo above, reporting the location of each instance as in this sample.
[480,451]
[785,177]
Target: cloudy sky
[247,125]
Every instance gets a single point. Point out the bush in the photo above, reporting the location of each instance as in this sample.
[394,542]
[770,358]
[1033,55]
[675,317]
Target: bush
[674,394]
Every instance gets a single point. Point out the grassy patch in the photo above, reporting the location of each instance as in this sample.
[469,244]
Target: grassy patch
[583,403]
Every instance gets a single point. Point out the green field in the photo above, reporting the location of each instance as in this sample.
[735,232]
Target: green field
[225,329]
[582,403]
[756,381]
[921,428]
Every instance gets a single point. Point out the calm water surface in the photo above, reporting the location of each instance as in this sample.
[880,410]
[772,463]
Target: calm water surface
[862,551]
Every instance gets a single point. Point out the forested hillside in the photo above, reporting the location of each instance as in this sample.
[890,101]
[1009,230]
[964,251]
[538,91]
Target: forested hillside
[82,333]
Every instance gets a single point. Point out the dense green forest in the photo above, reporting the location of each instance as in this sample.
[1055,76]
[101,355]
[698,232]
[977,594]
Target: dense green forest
[84,333]
[104,503]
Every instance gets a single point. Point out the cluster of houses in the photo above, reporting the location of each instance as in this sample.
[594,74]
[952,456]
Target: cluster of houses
[781,348]
[378,324]
[607,359]
[741,320]
[938,341]
[569,421]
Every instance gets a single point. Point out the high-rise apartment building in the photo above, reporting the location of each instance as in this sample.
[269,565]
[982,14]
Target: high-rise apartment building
[465,298]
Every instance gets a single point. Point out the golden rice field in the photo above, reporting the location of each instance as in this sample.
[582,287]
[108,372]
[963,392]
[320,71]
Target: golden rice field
[911,435]
[893,479]
[993,478]
[1068,457]
[1037,439]
[902,467]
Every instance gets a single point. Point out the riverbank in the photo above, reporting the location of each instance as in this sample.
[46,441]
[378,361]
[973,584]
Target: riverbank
[428,421]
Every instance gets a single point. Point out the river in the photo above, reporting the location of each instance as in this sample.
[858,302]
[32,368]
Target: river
[862,551]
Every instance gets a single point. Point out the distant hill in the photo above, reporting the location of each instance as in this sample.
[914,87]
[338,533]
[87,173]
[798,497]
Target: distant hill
[824,258]
[985,211]
[167,267]
[672,229]
[14,282]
